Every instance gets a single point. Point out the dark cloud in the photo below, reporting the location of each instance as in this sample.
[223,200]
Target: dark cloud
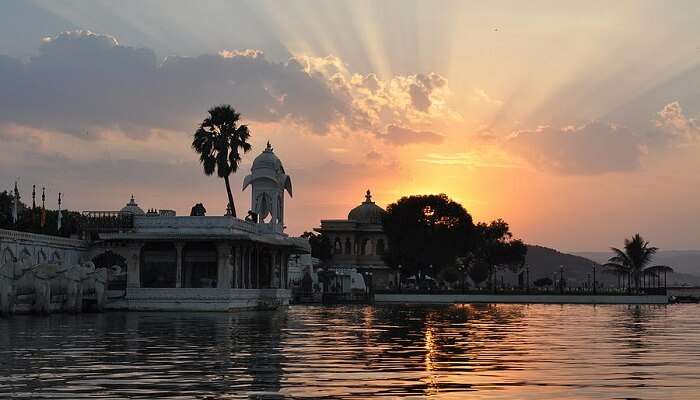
[80,80]
[400,136]
[422,89]
[600,147]
[588,150]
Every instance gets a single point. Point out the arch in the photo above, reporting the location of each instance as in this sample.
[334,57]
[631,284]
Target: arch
[107,259]
[200,265]
[56,258]
[158,267]
[41,257]
[348,246]
[380,247]
[365,247]
[25,256]
[7,256]
[337,246]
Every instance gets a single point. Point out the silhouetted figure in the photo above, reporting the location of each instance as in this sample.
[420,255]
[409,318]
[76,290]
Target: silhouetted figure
[252,217]
[198,210]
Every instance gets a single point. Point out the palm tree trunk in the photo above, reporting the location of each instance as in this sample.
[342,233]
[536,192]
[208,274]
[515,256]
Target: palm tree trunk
[230,196]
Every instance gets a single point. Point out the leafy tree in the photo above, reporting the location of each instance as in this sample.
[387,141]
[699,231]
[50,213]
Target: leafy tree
[543,282]
[321,247]
[27,222]
[494,246]
[424,231]
[219,141]
[478,271]
[635,259]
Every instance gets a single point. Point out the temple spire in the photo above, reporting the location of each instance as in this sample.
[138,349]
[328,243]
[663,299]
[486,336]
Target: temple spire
[368,197]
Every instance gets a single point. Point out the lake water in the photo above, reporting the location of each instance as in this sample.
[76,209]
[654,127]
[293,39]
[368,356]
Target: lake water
[474,351]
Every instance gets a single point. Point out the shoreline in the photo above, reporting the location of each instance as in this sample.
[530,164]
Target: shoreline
[518,298]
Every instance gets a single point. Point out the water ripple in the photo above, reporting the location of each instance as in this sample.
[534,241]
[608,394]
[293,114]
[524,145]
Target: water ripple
[486,351]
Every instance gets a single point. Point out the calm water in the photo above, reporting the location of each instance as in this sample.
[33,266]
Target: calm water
[492,352]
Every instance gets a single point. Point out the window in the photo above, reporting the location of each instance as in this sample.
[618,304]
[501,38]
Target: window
[337,247]
[380,247]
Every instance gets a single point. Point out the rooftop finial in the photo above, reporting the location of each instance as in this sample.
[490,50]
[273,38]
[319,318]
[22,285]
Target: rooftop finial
[368,197]
[269,147]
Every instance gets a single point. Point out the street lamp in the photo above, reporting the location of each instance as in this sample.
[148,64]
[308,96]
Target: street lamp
[594,280]
[398,284]
[561,279]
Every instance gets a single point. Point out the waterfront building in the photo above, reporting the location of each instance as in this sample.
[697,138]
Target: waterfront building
[358,243]
[171,262]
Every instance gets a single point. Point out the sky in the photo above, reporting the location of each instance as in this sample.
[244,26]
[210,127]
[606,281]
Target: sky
[576,122]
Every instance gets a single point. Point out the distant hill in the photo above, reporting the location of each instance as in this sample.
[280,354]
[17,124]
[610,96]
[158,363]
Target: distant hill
[683,261]
[545,262]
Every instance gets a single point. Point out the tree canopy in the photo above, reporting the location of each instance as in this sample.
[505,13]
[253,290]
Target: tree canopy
[220,142]
[635,258]
[426,230]
[321,247]
[29,221]
[493,246]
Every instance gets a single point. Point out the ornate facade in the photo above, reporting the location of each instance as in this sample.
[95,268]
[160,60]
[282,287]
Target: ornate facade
[359,242]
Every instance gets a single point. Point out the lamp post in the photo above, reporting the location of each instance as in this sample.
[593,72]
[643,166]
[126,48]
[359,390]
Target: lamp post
[398,284]
[527,279]
[595,284]
[561,279]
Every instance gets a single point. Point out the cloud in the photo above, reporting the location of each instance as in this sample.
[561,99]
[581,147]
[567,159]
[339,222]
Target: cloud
[400,136]
[590,149]
[600,147]
[470,159]
[672,121]
[83,81]
[373,155]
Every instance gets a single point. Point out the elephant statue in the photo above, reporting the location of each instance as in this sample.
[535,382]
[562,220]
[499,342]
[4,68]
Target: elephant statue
[67,282]
[7,278]
[43,274]
[87,270]
[96,281]
[15,279]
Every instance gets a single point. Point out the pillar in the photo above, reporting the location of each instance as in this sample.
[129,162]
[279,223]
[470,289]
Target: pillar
[234,278]
[249,258]
[133,266]
[178,253]
[223,258]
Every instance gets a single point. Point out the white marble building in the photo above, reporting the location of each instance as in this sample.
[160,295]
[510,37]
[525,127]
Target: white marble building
[204,262]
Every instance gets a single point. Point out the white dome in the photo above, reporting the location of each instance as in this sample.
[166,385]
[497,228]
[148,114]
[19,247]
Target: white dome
[132,208]
[268,160]
[367,212]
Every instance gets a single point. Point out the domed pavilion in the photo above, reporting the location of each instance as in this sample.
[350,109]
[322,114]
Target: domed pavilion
[358,242]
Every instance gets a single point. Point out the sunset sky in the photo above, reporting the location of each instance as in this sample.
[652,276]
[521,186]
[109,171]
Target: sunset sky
[576,122]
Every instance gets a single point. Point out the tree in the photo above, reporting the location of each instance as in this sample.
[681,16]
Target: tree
[478,271]
[424,231]
[635,259]
[321,247]
[542,282]
[219,141]
[494,246]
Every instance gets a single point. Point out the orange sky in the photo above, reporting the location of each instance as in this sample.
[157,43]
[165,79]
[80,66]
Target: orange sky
[575,123]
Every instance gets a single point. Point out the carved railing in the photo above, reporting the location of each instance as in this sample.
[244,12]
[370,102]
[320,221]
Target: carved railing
[16,236]
[106,221]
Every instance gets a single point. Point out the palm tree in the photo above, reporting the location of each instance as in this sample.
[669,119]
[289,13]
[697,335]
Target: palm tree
[634,259]
[219,141]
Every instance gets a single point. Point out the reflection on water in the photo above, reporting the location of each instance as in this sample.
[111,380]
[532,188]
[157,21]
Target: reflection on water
[489,351]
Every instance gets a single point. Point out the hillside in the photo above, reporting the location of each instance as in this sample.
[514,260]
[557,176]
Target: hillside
[545,262]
